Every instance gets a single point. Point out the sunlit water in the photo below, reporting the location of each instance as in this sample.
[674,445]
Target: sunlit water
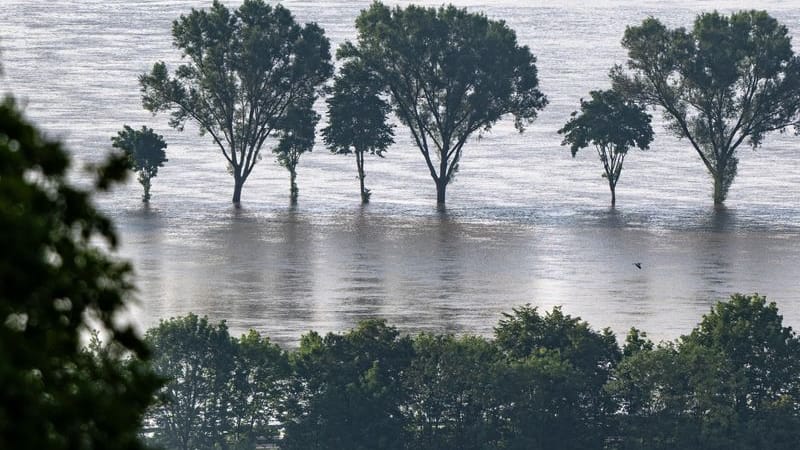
[525,222]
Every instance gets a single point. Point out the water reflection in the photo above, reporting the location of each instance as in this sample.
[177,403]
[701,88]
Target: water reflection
[277,253]
[144,238]
[721,218]
[362,286]
[285,272]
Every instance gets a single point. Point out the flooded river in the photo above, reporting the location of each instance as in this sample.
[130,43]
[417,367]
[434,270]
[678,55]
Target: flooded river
[525,222]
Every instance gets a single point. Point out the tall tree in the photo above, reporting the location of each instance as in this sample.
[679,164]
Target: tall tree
[762,356]
[657,406]
[730,80]
[613,124]
[197,359]
[449,73]
[357,118]
[349,390]
[452,385]
[221,392]
[55,284]
[296,137]
[145,151]
[554,383]
[258,389]
[244,70]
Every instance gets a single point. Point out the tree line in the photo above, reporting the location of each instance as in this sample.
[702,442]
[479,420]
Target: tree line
[251,76]
[542,381]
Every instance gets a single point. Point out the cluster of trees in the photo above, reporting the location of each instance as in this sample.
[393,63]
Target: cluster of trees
[543,381]
[252,75]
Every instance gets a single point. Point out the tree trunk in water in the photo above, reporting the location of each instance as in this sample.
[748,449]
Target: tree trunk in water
[360,164]
[613,196]
[441,190]
[237,191]
[146,185]
[293,188]
[719,190]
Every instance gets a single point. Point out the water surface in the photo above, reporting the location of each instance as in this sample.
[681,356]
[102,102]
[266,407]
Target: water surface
[525,222]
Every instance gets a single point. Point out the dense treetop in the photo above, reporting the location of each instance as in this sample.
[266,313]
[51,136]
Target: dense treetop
[729,80]
[448,73]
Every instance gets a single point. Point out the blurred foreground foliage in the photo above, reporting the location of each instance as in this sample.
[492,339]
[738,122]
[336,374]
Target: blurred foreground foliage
[56,285]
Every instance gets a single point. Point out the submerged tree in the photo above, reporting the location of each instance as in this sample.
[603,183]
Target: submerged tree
[357,118]
[245,71]
[730,80]
[56,283]
[614,125]
[145,152]
[296,138]
[449,73]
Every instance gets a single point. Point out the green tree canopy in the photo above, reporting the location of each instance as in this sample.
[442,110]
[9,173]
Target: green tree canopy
[732,383]
[554,383]
[613,124]
[730,80]
[258,390]
[349,391]
[546,381]
[55,285]
[357,118]
[453,392]
[657,407]
[743,365]
[145,151]
[221,392]
[197,359]
[448,73]
[244,71]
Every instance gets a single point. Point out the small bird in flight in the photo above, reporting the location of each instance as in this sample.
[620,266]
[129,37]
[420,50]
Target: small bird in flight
[638,265]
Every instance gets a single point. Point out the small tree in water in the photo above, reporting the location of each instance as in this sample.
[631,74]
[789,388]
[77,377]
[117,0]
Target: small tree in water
[297,137]
[613,124]
[145,152]
[357,118]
